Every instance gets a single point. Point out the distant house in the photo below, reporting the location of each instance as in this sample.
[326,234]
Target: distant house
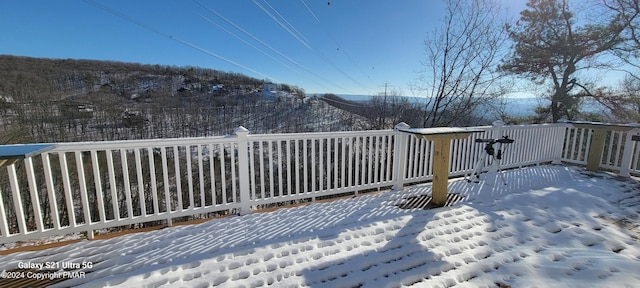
[270,88]
[215,88]
[76,110]
[87,108]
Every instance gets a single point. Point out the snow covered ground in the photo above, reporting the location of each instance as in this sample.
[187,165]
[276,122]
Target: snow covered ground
[550,226]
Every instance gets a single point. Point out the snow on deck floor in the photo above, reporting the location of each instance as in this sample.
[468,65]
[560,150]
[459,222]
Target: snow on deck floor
[551,226]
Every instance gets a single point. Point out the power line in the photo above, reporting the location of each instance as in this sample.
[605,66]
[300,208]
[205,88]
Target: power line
[245,32]
[247,42]
[154,30]
[298,35]
[267,45]
[340,47]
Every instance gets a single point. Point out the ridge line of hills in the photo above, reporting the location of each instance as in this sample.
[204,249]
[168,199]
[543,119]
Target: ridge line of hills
[63,100]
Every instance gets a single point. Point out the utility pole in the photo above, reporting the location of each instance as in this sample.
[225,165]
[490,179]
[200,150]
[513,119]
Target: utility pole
[383,117]
[386,84]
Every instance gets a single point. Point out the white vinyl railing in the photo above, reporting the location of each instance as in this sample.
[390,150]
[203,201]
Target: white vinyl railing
[83,187]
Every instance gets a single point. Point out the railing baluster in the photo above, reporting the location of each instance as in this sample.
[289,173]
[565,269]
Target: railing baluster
[376,159]
[188,168]
[212,174]
[33,191]
[84,197]
[297,170]
[165,180]
[635,164]
[343,162]
[252,170]
[609,154]
[112,184]
[223,176]
[17,199]
[288,161]
[154,182]
[262,169]
[321,169]
[272,192]
[389,156]
[234,176]
[454,156]
[280,170]
[350,171]
[358,159]
[68,197]
[413,157]
[336,163]
[370,160]
[4,226]
[178,175]
[141,188]
[200,177]
[127,182]
[98,185]
[330,157]
[429,158]
[578,141]
[305,164]
[53,202]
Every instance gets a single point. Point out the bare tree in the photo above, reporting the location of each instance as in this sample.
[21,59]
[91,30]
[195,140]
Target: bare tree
[627,12]
[624,102]
[462,56]
[390,108]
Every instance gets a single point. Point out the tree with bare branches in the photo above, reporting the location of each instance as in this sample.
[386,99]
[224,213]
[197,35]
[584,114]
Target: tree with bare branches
[624,102]
[462,54]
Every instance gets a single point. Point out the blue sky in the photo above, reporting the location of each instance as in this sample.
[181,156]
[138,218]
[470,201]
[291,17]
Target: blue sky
[337,46]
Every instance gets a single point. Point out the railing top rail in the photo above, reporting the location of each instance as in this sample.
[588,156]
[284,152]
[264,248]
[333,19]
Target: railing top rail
[340,134]
[21,151]
[128,144]
[124,144]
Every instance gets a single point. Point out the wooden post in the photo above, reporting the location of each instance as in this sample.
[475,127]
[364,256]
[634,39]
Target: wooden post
[597,140]
[440,170]
[441,138]
[595,150]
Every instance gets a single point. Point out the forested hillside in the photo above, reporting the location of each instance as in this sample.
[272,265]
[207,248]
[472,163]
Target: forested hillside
[55,100]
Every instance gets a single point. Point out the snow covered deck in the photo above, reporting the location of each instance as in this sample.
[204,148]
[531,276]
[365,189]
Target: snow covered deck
[550,226]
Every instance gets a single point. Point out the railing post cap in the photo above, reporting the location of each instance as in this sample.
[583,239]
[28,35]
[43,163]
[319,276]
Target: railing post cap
[240,129]
[401,125]
[497,123]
